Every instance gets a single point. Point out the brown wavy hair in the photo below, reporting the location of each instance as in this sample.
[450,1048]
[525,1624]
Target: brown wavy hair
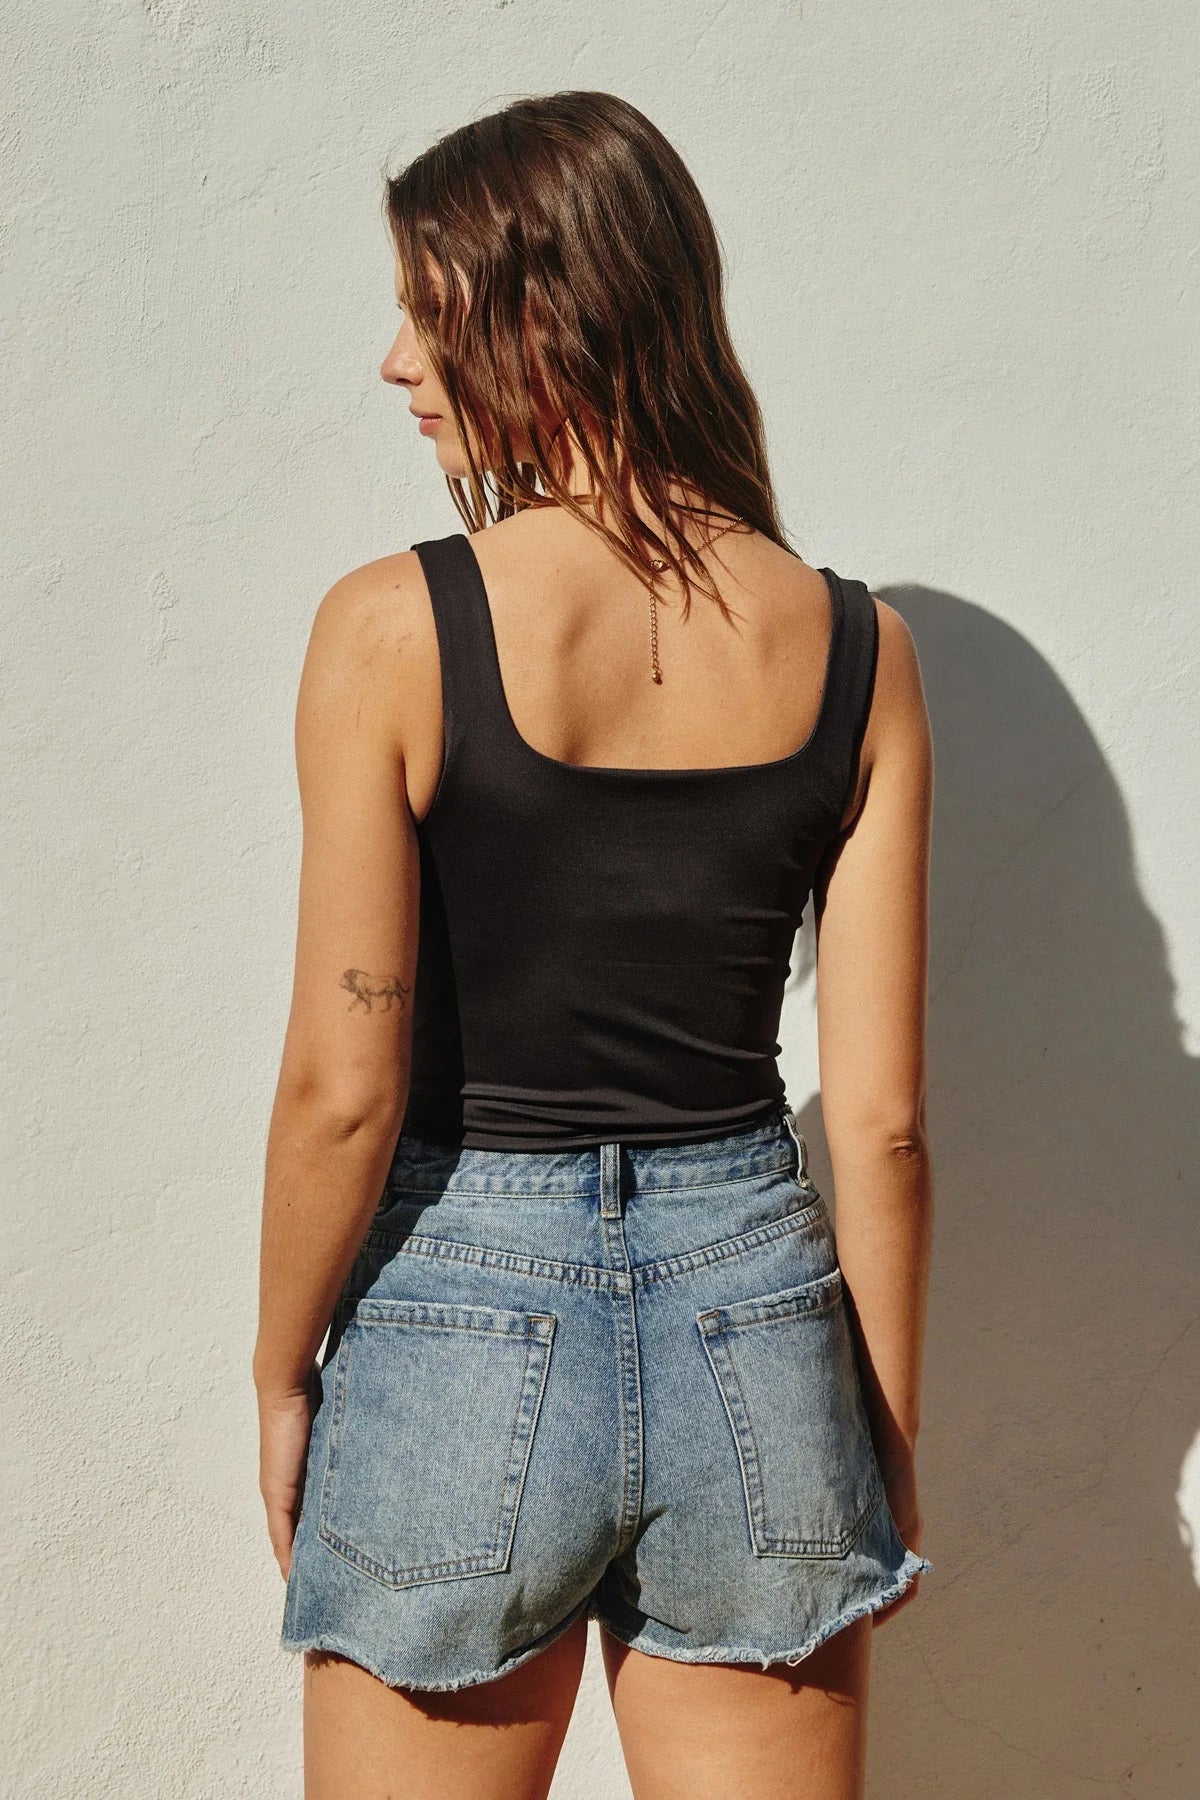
[594,292]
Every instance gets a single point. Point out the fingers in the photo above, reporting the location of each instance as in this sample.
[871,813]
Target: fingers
[284,1436]
[281,1530]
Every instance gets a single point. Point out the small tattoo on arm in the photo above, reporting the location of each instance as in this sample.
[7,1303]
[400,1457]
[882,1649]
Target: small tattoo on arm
[367,989]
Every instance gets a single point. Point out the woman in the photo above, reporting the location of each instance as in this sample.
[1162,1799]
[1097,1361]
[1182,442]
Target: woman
[568,781]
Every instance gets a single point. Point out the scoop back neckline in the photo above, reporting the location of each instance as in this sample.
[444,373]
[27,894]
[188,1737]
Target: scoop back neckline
[617,771]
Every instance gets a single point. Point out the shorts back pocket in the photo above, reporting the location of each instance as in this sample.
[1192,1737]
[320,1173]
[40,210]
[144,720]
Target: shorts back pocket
[432,1423]
[785,1368]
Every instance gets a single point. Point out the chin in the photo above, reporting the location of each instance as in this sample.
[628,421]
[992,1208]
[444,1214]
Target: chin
[451,460]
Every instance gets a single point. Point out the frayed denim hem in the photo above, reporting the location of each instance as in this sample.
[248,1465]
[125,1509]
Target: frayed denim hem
[910,1568]
[328,1640]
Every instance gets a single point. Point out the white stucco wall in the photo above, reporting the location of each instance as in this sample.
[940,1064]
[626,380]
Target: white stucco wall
[962,258]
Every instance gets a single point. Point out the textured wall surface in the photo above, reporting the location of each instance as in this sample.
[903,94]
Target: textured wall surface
[962,260]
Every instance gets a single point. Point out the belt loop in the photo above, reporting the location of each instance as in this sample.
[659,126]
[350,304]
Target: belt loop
[610,1181]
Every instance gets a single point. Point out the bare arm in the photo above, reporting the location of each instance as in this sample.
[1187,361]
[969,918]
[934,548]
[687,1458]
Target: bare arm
[344,1076]
[872,972]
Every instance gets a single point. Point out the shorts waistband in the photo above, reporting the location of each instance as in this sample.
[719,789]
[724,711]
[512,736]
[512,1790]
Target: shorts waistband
[420,1166]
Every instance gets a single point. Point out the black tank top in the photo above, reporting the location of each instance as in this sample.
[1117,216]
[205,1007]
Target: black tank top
[603,952]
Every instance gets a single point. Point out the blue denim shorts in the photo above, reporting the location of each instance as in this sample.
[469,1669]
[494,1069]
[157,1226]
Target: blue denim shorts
[616,1381]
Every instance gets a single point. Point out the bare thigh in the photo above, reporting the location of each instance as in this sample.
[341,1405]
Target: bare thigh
[737,1731]
[498,1740]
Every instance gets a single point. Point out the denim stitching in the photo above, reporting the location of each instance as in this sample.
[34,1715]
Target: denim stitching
[713,1325]
[762,1541]
[517,1427]
[725,1248]
[416,1243]
[532,1395]
[483,1562]
[335,1419]
[815,1296]
[379,1310]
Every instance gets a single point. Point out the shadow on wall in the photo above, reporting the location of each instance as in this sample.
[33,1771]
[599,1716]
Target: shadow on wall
[1054,1651]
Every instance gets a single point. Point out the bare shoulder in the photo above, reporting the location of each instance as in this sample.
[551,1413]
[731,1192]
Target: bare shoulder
[373,639]
[898,706]
[374,608]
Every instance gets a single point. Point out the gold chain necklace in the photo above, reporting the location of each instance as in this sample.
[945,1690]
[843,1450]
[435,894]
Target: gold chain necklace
[658,564]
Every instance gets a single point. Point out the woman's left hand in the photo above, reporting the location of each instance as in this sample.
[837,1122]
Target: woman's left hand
[284,1427]
[900,1486]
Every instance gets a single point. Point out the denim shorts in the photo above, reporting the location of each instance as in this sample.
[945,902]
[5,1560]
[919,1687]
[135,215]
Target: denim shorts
[616,1381]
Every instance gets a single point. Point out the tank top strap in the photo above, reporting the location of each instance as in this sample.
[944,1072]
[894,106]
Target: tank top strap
[472,700]
[850,684]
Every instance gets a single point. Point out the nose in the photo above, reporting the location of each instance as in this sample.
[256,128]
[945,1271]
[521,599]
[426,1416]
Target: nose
[400,367]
